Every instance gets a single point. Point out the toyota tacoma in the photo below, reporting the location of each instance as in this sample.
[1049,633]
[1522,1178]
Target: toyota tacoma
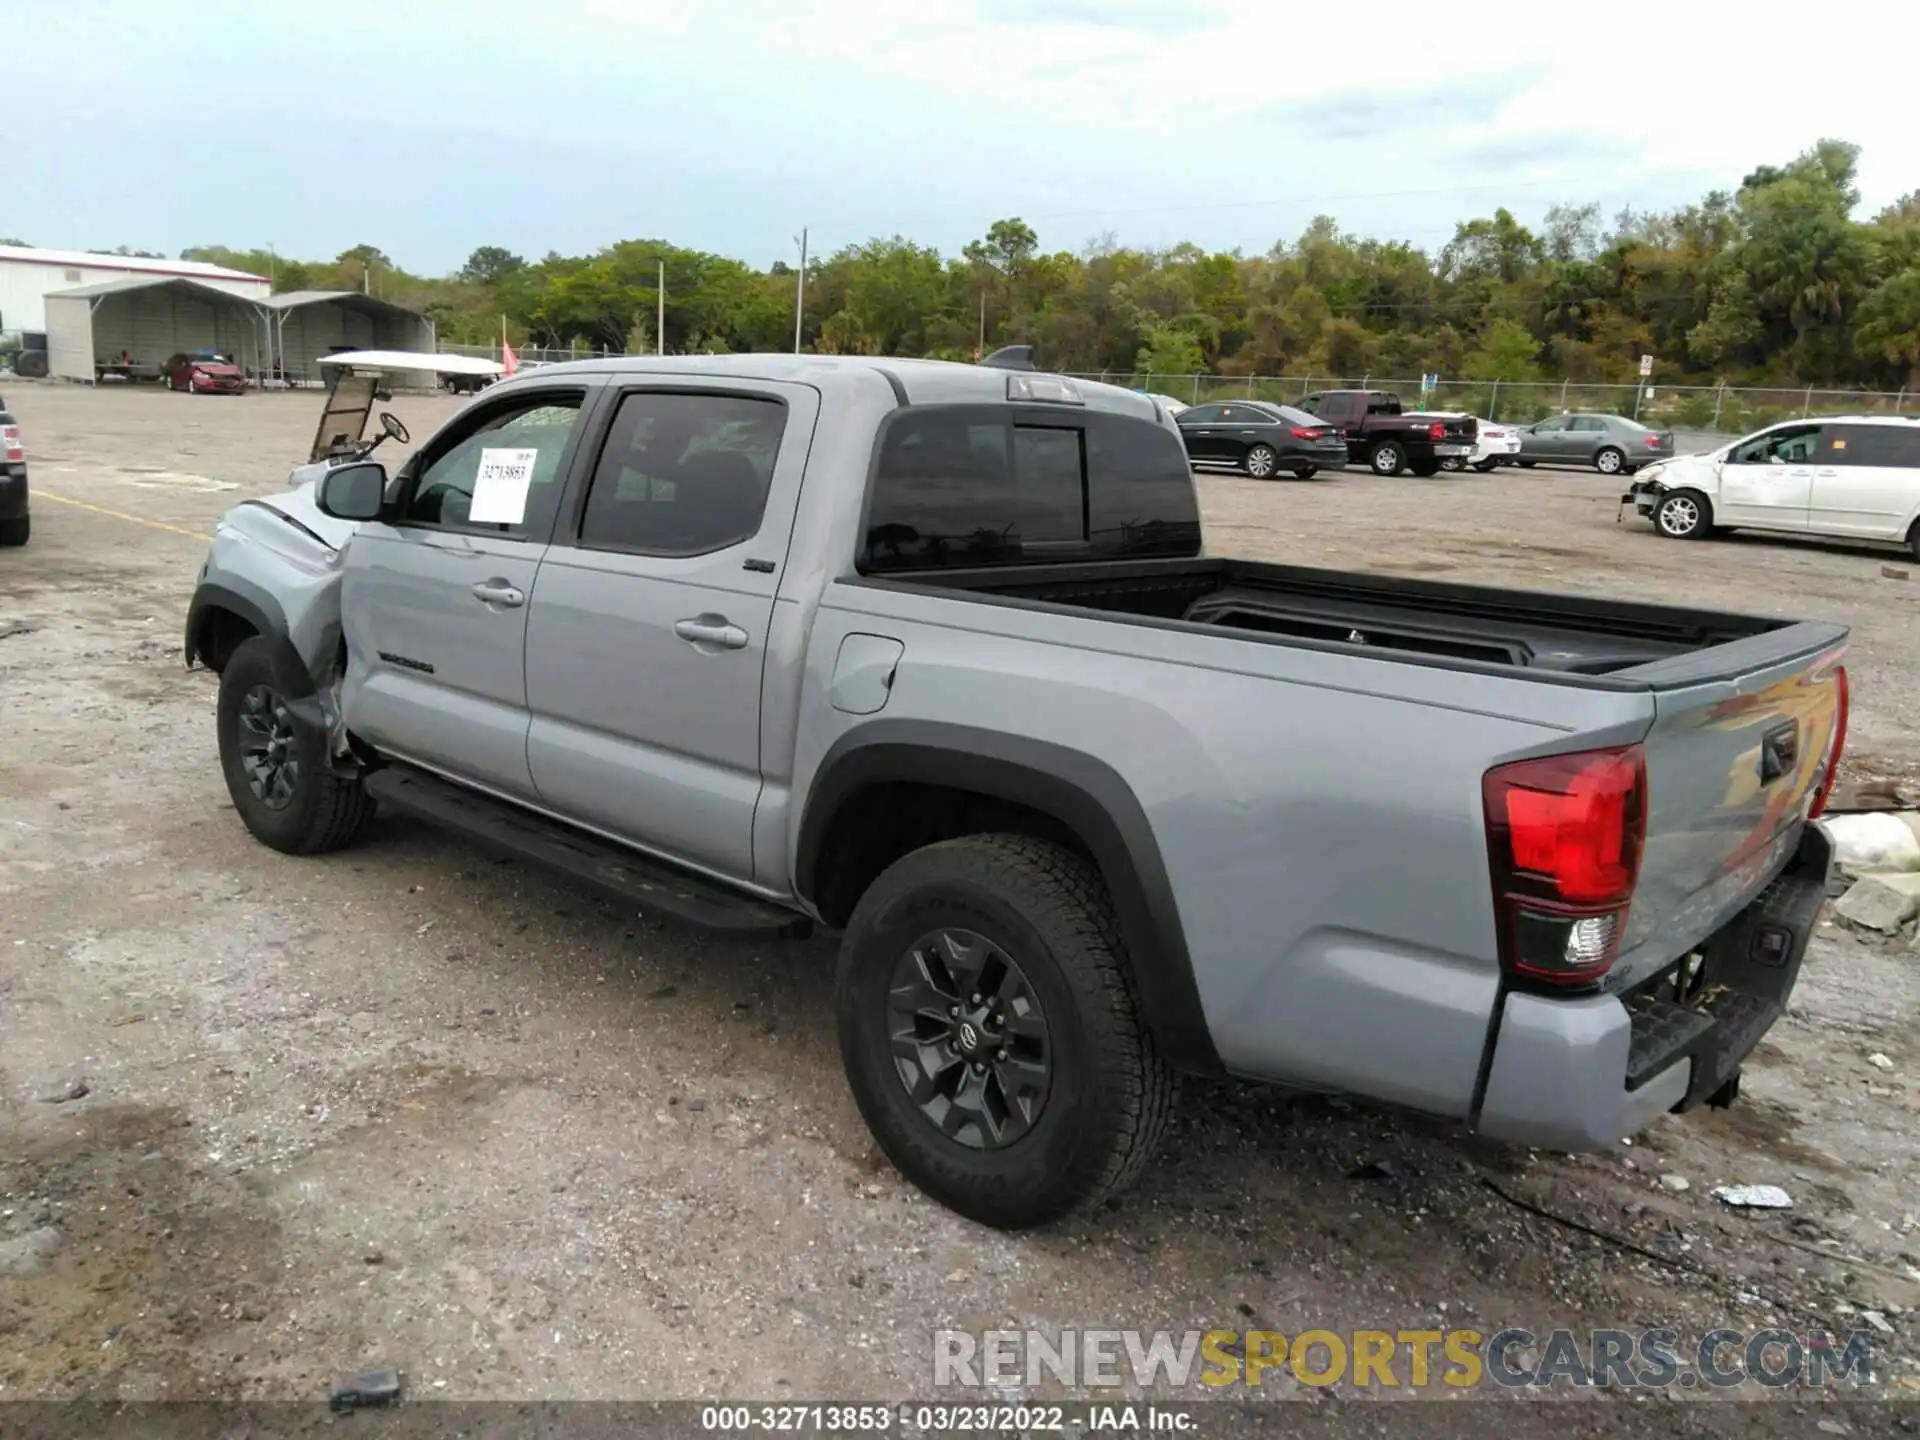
[930,656]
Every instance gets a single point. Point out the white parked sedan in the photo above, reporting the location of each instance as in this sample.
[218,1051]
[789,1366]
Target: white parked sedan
[1496,445]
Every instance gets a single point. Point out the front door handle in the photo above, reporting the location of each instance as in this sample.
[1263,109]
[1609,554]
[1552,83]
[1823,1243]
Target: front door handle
[712,631]
[1826,474]
[499,592]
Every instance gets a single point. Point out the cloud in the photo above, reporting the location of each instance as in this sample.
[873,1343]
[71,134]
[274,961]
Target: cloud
[1505,153]
[1145,17]
[1373,114]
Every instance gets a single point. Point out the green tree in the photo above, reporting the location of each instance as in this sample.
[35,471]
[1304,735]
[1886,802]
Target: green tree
[1506,352]
[490,264]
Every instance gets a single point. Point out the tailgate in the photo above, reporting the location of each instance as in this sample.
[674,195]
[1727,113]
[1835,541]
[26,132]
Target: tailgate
[1734,761]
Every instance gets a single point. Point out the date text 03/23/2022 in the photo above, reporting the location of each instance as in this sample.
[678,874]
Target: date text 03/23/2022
[946,1419]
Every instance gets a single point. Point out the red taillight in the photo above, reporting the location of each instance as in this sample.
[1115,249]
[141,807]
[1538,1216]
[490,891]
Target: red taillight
[1437,430]
[1302,433]
[1842,700]
[10,437]
[1564,835]
[1653,442]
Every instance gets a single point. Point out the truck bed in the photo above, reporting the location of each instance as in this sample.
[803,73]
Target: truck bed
[1572,639]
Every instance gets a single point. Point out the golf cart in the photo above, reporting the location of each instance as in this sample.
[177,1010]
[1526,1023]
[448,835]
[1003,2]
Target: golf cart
[357,378]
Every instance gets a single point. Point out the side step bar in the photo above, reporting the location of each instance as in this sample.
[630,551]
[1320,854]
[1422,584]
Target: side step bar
[612,871]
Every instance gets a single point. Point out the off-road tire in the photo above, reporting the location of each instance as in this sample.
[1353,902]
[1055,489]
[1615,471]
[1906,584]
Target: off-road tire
[1671,516]
[1111,1091]
[327,809]
[15,531]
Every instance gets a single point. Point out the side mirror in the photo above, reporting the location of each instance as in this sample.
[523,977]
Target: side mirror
[353,492]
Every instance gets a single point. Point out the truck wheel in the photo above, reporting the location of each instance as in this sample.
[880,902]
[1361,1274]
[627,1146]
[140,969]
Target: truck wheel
[1684,515]
[1609,461]
[1387,458]
[276,763]
[1261,461]
[1424,468]
[15,531]
[991,1034]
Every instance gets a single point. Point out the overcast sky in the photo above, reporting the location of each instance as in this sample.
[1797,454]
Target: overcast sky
[428,127]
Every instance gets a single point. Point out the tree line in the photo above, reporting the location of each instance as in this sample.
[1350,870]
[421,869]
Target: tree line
[1774,283]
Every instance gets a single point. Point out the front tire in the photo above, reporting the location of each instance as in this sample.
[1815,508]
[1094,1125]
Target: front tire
[1453,462]
[1387,458]
[15,531]
[991,1032]
[1306,472]
[276,764]
[1609,461]
[1684,515]
[1260,462]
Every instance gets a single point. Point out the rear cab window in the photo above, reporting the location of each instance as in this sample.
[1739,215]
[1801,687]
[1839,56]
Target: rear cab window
[964,485]
[683,473]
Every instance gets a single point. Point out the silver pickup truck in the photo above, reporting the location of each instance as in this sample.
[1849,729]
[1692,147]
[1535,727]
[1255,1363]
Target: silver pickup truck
[931,656]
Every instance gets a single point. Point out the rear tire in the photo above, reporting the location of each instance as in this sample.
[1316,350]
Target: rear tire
[15,532]
[1031,923]
[1425,468]
[1486,467]
[1453,462]
[1609,461]
[1260,461]
[1306,472]
[1524,464]
[1387,458]
[1684,515]
[276,764]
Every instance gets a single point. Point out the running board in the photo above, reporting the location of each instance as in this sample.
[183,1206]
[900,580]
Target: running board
[612,871]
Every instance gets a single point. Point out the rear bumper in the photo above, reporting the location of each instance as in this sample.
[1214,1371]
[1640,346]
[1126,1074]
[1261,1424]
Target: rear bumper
[1578,1073]
[13,492]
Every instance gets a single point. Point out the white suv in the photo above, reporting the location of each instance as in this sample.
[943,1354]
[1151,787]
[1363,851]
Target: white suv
[1852,476]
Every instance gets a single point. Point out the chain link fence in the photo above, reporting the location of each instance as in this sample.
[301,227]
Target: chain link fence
[1706,410]
[1719,410]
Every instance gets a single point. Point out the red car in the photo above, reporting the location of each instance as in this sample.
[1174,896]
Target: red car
[205,372]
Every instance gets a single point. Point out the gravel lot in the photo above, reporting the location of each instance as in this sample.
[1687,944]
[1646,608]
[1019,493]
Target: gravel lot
[406,1107]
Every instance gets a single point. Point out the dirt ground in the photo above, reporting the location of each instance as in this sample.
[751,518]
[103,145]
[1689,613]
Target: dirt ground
[406,1107]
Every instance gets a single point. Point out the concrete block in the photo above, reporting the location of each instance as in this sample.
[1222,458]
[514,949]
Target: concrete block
[1881,902]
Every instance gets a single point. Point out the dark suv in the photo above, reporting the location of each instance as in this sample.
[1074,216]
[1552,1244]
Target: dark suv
[15,523]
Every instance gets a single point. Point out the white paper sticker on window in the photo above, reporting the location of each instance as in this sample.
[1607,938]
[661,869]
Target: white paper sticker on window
[500,489]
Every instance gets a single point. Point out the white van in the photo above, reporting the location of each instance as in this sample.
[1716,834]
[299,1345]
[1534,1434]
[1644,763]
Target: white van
[1852,476]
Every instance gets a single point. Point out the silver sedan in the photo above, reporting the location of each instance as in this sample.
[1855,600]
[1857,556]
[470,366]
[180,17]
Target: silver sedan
[1611,444]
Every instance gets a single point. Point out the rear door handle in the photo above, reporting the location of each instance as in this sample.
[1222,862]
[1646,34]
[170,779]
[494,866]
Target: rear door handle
[499,592]
[1826,474]
[711,630]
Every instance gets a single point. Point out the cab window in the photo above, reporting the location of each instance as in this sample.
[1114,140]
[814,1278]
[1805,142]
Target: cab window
[519,445]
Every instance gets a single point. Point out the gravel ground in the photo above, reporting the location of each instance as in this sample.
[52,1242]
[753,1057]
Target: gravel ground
[264,1121]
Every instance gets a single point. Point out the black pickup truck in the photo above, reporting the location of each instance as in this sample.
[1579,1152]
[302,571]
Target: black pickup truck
[15,523]
[1388,440]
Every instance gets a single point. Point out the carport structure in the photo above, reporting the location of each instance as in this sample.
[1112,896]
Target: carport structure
[307,324]
[135,325]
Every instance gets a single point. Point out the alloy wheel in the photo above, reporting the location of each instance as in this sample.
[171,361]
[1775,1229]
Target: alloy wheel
[267,747]
[969,1040]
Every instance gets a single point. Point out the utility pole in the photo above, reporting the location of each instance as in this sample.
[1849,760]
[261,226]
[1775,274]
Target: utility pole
[660,321]
[980,346]
[800,293]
